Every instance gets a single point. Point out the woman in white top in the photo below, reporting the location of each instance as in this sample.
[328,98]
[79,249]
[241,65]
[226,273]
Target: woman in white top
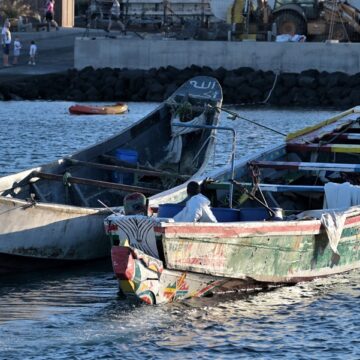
[115,15]
[6,42]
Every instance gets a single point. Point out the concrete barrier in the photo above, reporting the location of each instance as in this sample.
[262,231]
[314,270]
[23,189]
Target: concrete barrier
[279,57]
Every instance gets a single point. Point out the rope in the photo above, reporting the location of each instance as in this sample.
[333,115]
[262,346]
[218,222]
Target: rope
[66,178]
[332,20]
[271,90]
[30,202]
[335,8]
[267,97]
[202,146]
[235,115]
[342,23]
[15,208]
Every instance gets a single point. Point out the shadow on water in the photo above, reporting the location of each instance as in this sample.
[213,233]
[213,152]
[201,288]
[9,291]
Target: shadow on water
[27,295]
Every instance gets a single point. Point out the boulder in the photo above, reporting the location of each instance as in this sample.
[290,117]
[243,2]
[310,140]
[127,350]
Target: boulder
[337,79]
[354,80]
[220,73]
[15,97]
[120,89]
[92,94]
[243,71]
[288,80]
[234,81]
[172,72]
[169,90]
[355,96]
[323,78]
[109,80]
[155,92]
[311,72]
[76,95]
[307,81]
[107,93]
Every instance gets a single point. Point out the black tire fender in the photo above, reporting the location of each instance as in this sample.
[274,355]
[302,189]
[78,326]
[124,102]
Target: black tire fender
[290,21]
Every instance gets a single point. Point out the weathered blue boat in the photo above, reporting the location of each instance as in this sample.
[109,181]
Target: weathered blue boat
[51,213]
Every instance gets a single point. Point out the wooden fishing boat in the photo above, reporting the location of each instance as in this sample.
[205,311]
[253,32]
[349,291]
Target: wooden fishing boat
[294,216]
[52,213]
[81,109]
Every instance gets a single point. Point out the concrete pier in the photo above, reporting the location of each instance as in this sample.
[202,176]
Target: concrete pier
[134,53]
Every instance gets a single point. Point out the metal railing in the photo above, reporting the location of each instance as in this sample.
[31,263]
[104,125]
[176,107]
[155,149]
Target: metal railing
[232,152]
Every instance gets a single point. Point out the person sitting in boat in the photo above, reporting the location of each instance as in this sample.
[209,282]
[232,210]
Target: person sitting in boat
[135,204]
[197,206]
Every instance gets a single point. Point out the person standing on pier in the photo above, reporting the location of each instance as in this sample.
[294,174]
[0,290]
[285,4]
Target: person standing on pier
[32,53]
[49,15]
[115,16]
[92,14]
[6,42]
[17,48]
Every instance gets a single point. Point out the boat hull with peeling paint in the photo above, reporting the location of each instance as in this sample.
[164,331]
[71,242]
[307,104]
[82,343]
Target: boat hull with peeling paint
[51,213]
[290,222]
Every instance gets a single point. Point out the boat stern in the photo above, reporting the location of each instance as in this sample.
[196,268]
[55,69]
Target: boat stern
[138,274]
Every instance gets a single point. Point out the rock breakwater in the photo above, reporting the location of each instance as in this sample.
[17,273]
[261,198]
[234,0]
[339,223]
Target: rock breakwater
[244,86]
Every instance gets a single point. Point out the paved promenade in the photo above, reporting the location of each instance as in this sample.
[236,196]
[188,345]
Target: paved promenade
[55,52]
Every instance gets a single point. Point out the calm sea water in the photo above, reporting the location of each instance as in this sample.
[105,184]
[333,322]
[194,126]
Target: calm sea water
[75,313]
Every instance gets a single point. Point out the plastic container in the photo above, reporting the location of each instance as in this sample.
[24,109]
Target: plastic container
[221,214]
[169,210]
[226,214]
[127,155]
[259,214]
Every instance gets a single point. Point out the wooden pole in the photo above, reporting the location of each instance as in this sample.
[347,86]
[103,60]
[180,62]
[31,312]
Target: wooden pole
[126,169]
[97,183]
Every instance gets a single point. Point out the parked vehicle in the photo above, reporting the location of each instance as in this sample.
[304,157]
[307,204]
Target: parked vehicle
[318,19]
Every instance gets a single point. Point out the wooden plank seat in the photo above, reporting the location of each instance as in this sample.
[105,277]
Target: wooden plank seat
[334,148]
[127,169]
[97,183]
[345,136]
[307,166]
[269,187]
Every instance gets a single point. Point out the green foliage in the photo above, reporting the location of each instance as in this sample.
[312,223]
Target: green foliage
[12,9]
[184,111]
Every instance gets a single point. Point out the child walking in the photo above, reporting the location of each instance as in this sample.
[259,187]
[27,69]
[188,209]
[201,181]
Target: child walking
[33,50]
[17,48]
[115,16]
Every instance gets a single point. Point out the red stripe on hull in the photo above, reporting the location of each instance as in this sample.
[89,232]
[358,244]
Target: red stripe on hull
[249,229]
[123,262]
[353,220]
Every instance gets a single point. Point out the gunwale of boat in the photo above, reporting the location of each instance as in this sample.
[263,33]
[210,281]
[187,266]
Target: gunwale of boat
[56,207]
